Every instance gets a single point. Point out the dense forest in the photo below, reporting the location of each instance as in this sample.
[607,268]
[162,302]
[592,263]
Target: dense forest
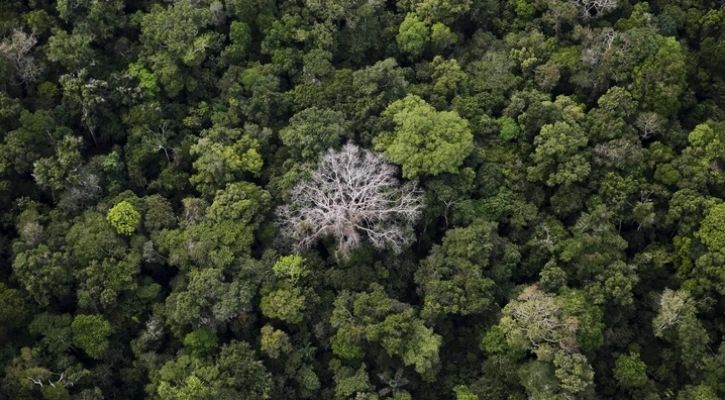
[362,199]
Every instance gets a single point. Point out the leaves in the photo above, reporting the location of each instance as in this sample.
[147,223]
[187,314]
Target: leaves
[425,141]
[124,218]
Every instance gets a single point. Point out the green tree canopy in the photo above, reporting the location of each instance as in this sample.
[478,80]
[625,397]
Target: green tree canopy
[424,141]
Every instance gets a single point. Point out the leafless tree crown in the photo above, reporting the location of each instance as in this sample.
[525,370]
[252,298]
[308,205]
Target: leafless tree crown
[594,8]
[16,49]
[351,195]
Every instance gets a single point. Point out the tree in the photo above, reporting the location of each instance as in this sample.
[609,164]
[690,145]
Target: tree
[712,228]
[649,124]
[61,171]
[286,304]
[676,322]
[175,31]
[575,375]
[374,317]
[445,11]
[698,164]
[260,86]
[274,342]
[240,37]
[234,373]
[509,129]
[349,11]
[288,297]
[353,194]
[216,235]
[17,50]
[374,87]
[413,35]
[424,141]
[90,333]
[593,8]
[312,131]
[159,213]
[54,330]
[699,392]
[201,342]
[87,95]
[459,276]
[659,80]
[674,308]
[350,381]
[441,37]
[447,77]
[100,19]
[464,393]
[698,264]
[293,268]
[29,141]
[630,371]
[14,311]
[111,284]
[124,218]
[43,273]
[551,327]
[594,258]
[92,237]
[224,155]
[206,298]
[687,208]
[535,320]
[560,157]
[71,50]
[539,380]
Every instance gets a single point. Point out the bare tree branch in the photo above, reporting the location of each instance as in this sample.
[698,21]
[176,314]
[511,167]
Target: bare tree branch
[352,195]
[649,124]
[16,49]
[595,8]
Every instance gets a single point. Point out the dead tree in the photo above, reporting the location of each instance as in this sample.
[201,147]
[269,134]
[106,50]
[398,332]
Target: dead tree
[595,8]
[353,194]
[649,124]
[17,49]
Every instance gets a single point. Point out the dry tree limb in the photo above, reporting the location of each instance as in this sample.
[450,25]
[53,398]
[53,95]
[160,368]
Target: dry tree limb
[353,194]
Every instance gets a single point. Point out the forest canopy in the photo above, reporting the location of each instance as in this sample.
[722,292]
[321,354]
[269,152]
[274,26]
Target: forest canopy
[362,199]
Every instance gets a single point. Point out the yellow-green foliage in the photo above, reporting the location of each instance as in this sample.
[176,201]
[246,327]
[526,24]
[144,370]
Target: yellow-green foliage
[124,218]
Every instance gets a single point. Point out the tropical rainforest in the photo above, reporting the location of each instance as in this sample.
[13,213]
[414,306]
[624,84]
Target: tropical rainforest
[362,199]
